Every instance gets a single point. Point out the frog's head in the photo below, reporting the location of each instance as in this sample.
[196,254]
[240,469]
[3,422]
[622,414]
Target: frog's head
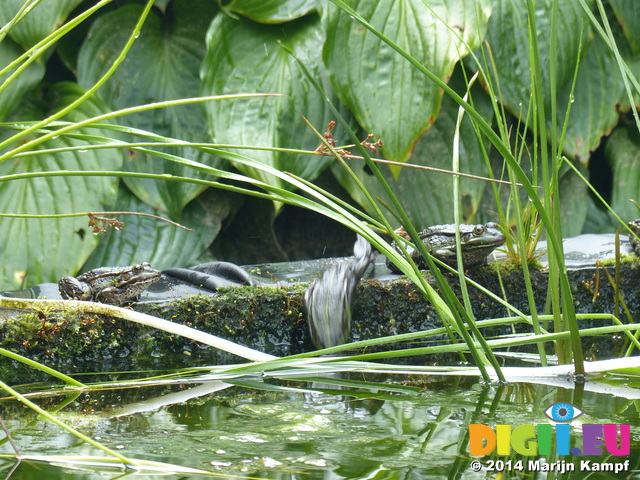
[476,243]
[482,236]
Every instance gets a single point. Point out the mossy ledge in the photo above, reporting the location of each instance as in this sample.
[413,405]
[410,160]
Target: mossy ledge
[273,320]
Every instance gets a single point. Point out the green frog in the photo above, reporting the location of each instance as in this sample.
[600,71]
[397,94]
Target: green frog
[635,228]
[476,242]
[112,285]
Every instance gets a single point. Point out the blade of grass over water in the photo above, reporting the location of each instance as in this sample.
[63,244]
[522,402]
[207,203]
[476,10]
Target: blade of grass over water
[458,216]
[523,236]
[531,151]
[277,194]
[105,463]
[38,366]
[154,322]
[454,311]
[454,314]
[546,213]
[63,425]
[315,360]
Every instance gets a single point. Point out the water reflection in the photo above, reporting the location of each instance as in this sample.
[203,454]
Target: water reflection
[353,426]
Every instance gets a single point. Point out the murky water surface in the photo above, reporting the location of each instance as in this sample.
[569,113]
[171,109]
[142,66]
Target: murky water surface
[335,428]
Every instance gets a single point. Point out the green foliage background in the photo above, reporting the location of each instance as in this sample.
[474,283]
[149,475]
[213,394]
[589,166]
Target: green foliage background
[189,48]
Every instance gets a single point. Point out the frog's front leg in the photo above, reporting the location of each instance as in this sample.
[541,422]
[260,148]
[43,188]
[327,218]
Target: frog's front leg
[446,255]
[113,295]
[73,289]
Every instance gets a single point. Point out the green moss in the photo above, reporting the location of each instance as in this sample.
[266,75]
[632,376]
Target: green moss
[235,304]
[625,259]
[267,318]
[509,266]
[66,340]
[272,319]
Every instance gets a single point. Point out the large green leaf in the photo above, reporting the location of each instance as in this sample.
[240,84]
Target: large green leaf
[508,40]
[272,11]
[244,57]
[23,83]
[628,15]
[45,249]
[146,239]
[427,196]
[44,19]
[596,103]
[388,96]
[623,153]
[162,65]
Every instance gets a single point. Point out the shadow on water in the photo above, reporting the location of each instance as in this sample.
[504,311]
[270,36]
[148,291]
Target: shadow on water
[353,426]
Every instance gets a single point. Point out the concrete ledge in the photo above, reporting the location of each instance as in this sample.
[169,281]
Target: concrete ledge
[272,319]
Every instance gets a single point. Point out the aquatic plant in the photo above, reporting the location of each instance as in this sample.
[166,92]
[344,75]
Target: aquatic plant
[75,146]
[187,165]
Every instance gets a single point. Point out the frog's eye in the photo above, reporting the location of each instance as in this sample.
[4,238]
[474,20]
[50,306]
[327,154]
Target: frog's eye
[137,269]
[479,230]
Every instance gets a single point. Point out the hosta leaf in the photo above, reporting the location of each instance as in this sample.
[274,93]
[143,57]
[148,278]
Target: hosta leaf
[595,110]
[623,153]
[428,196]
[388,96]
[23,83]
[145,239]
[44,19]
[272,11]
[628,15]
[162,65]
[508,40]
[45,249]
[244,57]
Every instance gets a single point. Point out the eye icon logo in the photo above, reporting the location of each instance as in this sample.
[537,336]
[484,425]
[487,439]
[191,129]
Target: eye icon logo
[553,438]
[563,412]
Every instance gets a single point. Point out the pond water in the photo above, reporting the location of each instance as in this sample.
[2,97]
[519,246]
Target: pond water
[343,427]
[354,426]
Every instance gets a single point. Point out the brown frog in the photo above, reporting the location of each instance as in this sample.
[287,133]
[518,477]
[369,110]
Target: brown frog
[476,243]
[112,285]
